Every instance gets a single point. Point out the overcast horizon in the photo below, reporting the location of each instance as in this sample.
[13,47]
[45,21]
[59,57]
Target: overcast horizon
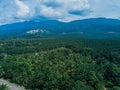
[12,11]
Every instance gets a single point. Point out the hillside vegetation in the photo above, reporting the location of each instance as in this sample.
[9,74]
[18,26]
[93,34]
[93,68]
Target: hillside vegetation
[61,63]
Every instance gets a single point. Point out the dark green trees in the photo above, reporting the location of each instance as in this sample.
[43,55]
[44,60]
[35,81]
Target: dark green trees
[4,87]
[61,63]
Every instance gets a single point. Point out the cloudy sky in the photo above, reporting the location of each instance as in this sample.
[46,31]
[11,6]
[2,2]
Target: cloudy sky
[12,11]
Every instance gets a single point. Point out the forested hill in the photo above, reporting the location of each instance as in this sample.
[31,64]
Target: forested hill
[96,27]
[61,63]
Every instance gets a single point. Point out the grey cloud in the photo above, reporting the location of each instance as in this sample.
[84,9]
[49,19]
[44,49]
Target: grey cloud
[53,4]
[80,12]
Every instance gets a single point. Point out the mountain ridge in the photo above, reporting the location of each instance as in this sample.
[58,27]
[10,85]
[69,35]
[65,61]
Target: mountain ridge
[90,26]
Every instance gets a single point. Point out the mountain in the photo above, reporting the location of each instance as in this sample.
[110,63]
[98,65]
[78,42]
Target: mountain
[93,27]
[23,27]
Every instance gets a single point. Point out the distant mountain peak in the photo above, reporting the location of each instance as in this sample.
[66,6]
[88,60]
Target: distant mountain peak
[91,27]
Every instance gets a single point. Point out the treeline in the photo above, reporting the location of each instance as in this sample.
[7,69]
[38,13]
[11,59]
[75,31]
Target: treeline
[29,45]
[61,63]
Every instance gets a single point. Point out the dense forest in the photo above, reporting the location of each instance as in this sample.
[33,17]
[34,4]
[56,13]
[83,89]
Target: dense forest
[4,87]
[61,63]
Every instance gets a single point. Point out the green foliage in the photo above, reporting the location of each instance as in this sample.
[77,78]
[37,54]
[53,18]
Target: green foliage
[4,87]
[1,71]
[79,86]
[116,88]
[113,74]
[61,63]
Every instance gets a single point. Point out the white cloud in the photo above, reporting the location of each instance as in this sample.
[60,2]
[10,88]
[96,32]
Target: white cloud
[64,10]
[59,9]
[23,10]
